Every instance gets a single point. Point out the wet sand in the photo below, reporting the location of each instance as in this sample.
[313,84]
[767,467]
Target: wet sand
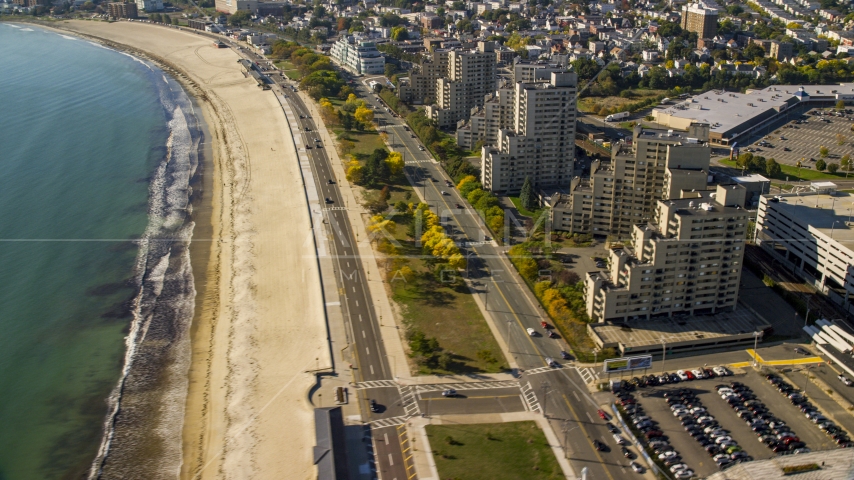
[258,326]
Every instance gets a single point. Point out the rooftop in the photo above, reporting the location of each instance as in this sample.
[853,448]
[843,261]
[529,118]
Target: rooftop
[836,464]
[724,111]
[642,333]
[821,212]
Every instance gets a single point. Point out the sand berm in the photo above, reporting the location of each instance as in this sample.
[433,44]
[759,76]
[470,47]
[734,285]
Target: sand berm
[259,328]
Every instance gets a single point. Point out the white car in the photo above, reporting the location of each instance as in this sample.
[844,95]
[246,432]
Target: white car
[620,440]
[698,374]
[551,362]
[723,439]
[678,467]
[680,412]
[667,454]
[683,474]
[681,375]
[530,331]
[637,467]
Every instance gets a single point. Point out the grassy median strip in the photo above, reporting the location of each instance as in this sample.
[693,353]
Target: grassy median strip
[493,451]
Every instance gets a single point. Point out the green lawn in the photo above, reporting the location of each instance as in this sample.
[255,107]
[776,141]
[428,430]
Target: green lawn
[518,204]
[365,142]
[493,451]
[795,173]
[289,69]
[444,311]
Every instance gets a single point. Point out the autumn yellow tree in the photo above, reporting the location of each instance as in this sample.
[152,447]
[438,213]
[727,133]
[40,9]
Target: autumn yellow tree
[465,180]
[365,116]
[395,162]
[355,172]
[327,112]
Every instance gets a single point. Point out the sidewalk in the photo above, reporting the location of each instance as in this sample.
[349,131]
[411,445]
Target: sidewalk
[422,452]
[391,333]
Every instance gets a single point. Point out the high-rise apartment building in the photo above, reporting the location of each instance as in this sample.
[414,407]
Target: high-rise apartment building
[357,55]
[420,87]
[122,9]
[150,5]
[621,192]
[539,143]
[470,76]
[687,263]
[700,18]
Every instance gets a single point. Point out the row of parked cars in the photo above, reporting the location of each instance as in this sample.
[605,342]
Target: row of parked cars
[668,378]
[803,404]
[658,442]
[703,427]
[770,430]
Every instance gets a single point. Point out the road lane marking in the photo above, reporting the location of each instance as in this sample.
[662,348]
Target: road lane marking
[390,460]
[360,317]
[357,303]
[372,369]
[588,416]
[354,289]
[576,396]
[587,437]
[363,334]
[368,350]
[386,438]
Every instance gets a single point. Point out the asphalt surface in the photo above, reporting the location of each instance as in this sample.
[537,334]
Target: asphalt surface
[560,392]
[495,400]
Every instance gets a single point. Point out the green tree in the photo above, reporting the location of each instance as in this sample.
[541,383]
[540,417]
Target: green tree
[772,168]
[845,163]
[398,34]
[820,165]
[832,167]
[840,105]
[240,18]
[823,151]
[526,196]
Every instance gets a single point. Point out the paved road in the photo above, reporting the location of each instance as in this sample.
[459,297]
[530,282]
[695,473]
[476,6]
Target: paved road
[564,396]
[494,400]
[371,361]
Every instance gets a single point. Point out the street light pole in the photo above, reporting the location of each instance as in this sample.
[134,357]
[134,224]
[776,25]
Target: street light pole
[663,353]
[755,344]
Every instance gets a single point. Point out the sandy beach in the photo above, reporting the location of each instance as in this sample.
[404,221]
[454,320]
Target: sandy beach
[259,327]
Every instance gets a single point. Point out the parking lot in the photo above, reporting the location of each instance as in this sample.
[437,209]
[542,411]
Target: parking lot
[655,405]
[804,140]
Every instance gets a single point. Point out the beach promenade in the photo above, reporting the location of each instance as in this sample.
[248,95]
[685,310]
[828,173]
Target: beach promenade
[259,331]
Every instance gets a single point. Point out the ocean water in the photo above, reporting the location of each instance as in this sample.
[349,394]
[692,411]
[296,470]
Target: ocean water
[97,153]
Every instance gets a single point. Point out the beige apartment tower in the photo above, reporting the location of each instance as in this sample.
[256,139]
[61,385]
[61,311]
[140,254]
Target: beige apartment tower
[539,143]
[622,191]
[687,263]
[470,77]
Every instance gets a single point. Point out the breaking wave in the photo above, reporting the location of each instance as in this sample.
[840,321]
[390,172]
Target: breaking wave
[142,431]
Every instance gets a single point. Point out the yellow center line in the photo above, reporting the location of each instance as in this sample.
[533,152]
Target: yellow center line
[800,361]
[587,437]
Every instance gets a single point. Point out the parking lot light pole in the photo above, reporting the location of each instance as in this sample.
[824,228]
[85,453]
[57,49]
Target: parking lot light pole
[755,344]
[663,353]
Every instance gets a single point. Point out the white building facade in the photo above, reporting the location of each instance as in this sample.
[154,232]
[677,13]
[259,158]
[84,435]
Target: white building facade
[358,56]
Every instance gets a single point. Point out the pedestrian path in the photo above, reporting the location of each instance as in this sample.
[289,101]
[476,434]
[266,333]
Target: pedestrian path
[409,398]
[376,384]
[466,386]
[389,422]
[531,398]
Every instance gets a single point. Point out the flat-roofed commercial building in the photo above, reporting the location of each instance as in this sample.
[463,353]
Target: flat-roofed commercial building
[735,116]
[687,263]
[812,234]
[357,55]
[623,191]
